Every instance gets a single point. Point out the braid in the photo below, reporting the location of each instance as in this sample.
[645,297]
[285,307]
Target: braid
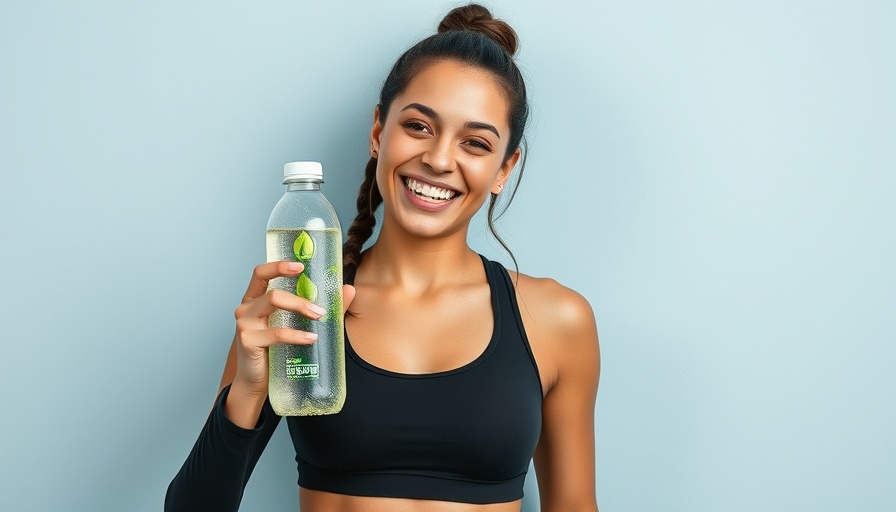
[369,199]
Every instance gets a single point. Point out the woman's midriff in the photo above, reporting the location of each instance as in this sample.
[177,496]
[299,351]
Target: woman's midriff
[319,501]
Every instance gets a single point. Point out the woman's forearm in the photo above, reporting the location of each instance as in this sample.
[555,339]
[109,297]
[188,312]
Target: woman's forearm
[216,471]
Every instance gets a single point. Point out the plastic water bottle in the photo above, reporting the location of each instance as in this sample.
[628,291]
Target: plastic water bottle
[307,380]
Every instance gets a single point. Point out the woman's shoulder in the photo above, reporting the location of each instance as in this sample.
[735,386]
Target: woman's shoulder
[551,303]
[561,329]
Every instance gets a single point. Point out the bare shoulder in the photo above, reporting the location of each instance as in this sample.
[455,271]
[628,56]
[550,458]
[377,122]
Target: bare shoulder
[560,325]
[551,304]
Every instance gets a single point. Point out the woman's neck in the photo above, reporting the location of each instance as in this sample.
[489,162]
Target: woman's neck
[415,263]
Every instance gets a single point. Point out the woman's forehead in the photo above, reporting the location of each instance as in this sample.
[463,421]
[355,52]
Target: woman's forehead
[457,93]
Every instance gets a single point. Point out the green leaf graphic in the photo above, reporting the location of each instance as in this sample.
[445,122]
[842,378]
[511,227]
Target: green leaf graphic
[306,289]
[303,247]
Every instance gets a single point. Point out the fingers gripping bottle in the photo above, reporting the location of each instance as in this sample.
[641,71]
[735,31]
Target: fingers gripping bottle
[307,380]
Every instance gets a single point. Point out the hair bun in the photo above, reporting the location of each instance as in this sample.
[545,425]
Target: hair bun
[476,18]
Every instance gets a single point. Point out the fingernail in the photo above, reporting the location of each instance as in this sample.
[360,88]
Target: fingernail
[294,266]
[310,336]
[317,309]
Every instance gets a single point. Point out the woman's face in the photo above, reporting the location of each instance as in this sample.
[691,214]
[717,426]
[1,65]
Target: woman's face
[441,148]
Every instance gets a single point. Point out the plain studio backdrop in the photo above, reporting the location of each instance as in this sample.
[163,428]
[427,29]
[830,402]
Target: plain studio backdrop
[715,177]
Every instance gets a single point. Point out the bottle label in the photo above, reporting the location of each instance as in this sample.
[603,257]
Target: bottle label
[295,369]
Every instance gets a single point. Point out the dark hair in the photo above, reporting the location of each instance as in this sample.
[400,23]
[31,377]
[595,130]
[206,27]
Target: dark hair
[469,35]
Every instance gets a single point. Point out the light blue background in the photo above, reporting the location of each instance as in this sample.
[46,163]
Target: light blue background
[716,177]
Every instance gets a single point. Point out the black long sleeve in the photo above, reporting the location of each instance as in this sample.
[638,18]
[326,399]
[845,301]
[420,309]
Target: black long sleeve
[216,471]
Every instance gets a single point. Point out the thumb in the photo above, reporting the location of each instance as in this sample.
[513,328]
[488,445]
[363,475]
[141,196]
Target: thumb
[348,295]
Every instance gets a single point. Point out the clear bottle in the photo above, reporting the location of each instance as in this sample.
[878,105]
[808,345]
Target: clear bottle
[307,380]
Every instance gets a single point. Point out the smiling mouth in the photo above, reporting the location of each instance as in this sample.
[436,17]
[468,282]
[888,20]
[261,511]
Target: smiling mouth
[429,193]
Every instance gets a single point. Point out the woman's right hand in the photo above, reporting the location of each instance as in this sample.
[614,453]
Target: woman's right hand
[247,363]
[253,336]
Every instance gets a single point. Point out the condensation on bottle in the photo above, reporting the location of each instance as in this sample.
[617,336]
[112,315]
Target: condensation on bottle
[307,380]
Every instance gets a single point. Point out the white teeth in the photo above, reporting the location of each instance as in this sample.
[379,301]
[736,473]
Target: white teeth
[428,191]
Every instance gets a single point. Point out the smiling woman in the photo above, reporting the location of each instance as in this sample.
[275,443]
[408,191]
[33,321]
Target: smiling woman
[459,372]
[442,136]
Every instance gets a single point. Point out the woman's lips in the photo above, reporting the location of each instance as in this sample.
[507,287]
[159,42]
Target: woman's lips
[428,197]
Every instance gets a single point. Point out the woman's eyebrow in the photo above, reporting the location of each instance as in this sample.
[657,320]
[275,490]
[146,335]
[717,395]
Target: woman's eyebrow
[475,125]
[429,112]
[423,110]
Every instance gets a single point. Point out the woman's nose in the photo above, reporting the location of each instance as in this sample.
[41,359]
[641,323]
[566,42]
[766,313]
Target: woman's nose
[440,156]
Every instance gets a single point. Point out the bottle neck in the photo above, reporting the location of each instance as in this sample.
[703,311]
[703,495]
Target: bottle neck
[293,186]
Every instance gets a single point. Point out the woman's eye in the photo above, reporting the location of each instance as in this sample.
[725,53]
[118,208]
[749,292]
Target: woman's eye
[416,126]
[478,144]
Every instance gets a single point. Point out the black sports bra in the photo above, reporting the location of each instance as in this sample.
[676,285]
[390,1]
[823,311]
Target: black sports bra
[464,435]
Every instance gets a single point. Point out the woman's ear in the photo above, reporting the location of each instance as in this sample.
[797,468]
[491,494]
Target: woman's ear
[504,172]
[375,132]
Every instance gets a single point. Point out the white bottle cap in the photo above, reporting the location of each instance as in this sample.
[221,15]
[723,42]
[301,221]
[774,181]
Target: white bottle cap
[303,171]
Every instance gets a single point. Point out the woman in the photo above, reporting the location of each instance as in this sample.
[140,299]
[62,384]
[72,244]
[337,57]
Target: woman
[458,371]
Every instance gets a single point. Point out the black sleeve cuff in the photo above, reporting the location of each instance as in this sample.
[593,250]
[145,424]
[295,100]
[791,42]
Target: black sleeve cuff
[220,417]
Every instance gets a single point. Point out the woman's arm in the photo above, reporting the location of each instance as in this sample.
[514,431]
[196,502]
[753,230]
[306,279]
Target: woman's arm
[242,421]
[222,459]
[562,328]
